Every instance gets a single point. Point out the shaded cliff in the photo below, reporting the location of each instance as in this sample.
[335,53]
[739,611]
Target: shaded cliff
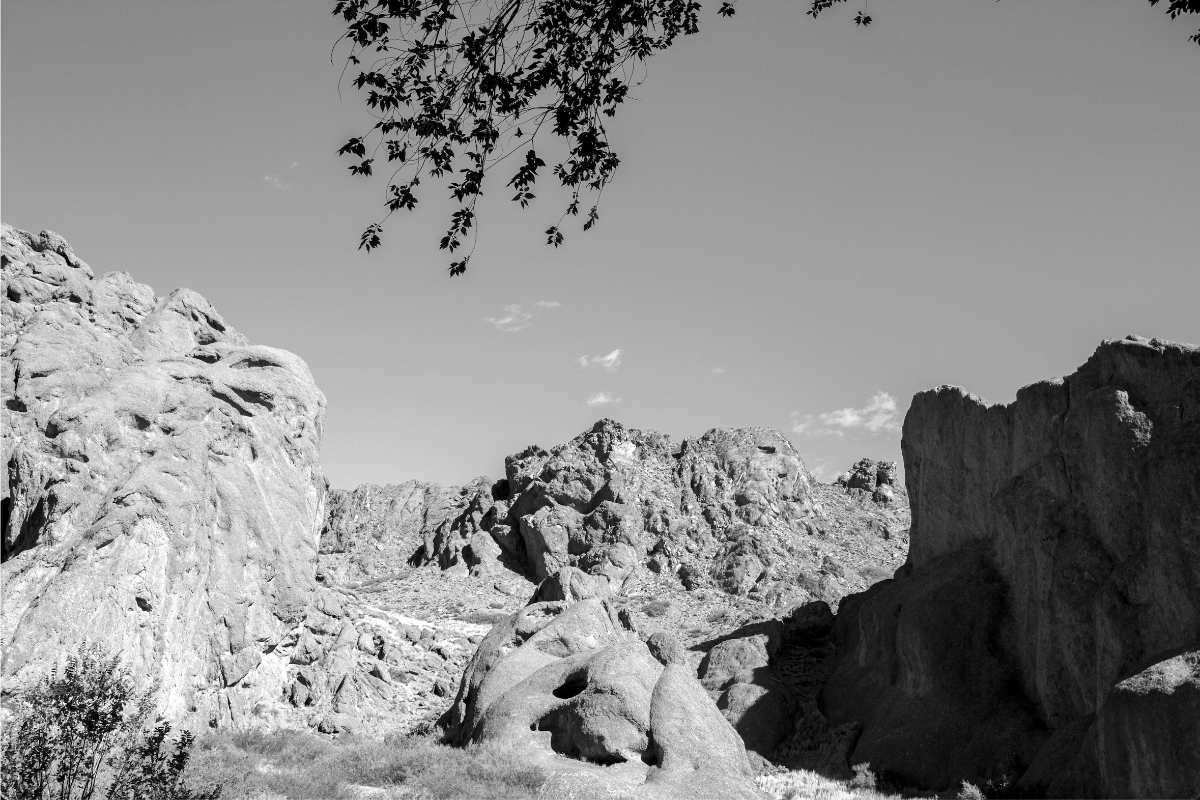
[1046,624]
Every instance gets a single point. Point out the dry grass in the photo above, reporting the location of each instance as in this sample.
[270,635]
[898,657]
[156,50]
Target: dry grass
[296,764]
[486,616]
[804,785]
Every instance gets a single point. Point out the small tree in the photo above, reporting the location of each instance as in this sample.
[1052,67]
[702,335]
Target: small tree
[77,726]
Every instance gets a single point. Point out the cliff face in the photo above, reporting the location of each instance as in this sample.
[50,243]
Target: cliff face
[1053,584]
[163,494]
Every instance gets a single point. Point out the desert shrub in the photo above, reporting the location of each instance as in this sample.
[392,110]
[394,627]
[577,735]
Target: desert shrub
[863,778]
[656,608]
[806,785]
[82,729]
[969,791]
[485,616]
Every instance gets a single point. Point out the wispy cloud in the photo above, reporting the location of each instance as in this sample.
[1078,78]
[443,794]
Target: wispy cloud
[274,182]
[602,398]
[718,370]
[514,319]
[609,362]
[879,415]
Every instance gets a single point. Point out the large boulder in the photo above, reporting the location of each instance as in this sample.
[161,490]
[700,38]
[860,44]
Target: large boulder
[578,694]
[164,493]
[1053,556]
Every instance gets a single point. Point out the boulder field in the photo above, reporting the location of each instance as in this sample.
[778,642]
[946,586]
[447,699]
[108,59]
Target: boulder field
[653,617]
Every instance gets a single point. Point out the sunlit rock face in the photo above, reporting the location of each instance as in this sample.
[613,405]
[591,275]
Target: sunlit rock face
[164,494]
[1049,614]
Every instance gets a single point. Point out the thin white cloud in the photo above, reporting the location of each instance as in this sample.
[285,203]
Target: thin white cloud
[517,318]
[879,415]
[294,165]
[609,362]
[274,182]
[718,370]
[514,319]
[602,398]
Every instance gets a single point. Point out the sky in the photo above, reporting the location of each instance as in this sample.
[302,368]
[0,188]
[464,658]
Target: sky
[811,221]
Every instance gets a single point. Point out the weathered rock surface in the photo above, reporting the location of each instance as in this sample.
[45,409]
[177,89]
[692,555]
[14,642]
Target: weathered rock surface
[733,510]
[1054,562]
[568,686]
[164,492]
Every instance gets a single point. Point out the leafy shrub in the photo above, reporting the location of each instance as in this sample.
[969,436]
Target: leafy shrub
[863,778]
[76,730]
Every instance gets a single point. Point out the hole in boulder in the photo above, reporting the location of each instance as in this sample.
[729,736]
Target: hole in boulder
[13,404]
[766,448]
[142,603]
[533,726]
[571,688]
[608,761]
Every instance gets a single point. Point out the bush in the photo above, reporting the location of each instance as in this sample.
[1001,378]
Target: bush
[970,791]
[74,731]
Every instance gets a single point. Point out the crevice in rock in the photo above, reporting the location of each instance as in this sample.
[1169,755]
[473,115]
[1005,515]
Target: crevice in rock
[5,513]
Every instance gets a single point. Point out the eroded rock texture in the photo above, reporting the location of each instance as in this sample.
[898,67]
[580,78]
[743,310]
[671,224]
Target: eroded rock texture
[577,693]
[1048,619]
[733,509]
[163,492]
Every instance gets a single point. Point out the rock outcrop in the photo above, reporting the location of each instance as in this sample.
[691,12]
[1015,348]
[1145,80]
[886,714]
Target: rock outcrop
[577,693]
[733,510]
[163,494]
[1047,622]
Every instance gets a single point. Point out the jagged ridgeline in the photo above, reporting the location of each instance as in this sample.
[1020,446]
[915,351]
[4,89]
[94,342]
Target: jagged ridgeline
[630,612]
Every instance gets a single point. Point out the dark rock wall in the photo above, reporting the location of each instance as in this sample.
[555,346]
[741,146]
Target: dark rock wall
[1072,521]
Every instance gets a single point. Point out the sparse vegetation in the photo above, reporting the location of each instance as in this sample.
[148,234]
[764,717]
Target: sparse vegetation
[656,608]
[485,616]
[83,731]
[304,766]
[970,791]
[804,785]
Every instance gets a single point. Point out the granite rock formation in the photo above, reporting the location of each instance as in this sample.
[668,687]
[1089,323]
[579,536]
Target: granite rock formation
[577,693]
[733,509]
[1047,622]
[164,491]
